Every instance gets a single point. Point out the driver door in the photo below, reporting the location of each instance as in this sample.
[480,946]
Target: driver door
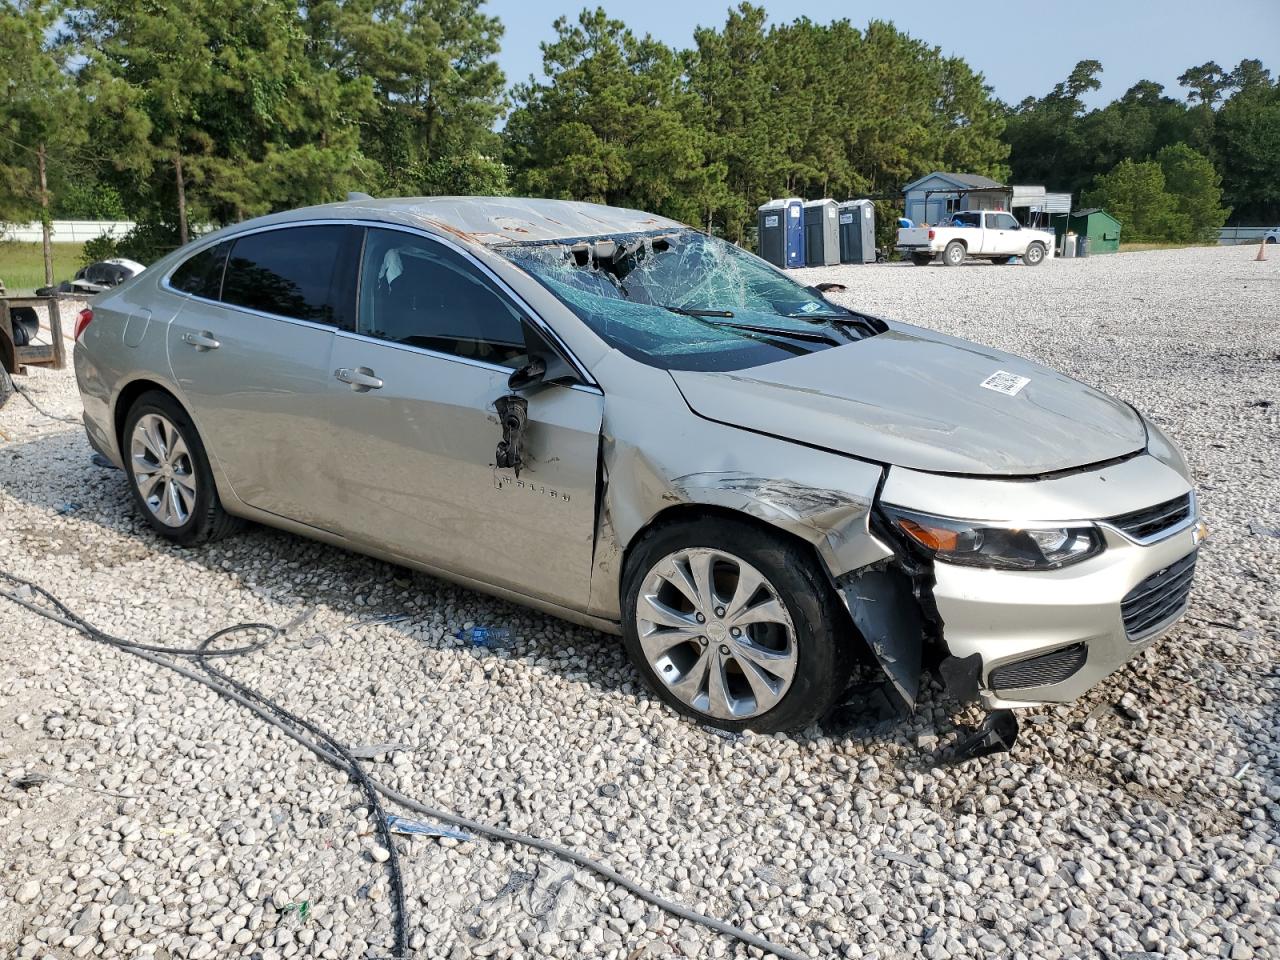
[412,406]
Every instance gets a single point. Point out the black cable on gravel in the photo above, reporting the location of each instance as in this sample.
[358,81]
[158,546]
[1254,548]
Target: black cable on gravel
[326,747]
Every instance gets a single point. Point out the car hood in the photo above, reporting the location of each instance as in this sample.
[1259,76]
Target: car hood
[913,398]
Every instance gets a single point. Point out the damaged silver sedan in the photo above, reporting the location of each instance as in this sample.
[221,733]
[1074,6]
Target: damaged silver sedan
[624,422]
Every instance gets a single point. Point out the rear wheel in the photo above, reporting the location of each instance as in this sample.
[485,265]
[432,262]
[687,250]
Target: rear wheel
[955,253]
[169,472]
[734,626]
[1034,255]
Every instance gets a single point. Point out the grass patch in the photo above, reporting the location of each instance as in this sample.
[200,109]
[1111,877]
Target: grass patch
[22,265]
[1138,247]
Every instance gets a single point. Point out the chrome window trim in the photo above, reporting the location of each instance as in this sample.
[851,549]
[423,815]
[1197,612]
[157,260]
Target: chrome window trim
[532,315]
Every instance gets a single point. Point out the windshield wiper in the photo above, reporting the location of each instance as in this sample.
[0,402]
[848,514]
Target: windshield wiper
[695,312]
[811,335]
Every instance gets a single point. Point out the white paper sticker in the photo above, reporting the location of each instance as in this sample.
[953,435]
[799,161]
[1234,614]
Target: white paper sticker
[846,218]
[795,213]
[1002,381]
[770,221]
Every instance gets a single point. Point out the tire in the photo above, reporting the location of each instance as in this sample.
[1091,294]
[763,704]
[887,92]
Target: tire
[955,254]
[796,625]
[183,505]
[1000,261]
[1272,240]
[6,385]
[922,259]
[1034,255]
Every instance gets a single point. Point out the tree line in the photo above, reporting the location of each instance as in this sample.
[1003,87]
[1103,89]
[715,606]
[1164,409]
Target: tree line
[183,112]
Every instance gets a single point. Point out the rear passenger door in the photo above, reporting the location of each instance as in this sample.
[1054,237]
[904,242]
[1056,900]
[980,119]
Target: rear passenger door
[250,350]
[412,390]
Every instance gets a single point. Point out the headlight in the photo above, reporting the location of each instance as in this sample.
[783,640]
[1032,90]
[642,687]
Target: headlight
[970,543]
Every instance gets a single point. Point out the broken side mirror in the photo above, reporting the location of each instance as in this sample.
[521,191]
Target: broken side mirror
[545,364]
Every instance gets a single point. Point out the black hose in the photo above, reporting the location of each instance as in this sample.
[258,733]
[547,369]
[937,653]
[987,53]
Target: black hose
[333,752]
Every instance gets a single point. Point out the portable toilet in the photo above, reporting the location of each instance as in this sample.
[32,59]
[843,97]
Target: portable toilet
[821,233]
[781,232]
[857,231]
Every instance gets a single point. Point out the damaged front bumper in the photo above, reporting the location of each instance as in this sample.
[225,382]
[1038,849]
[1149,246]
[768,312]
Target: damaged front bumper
[1021,638]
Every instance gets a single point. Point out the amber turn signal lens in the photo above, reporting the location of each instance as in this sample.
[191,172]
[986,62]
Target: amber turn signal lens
[935,538]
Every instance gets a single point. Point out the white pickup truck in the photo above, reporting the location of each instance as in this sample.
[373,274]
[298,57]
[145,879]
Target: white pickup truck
[988,234]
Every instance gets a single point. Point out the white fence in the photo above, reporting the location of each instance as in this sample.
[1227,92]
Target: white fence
[66,231]
[1229,236]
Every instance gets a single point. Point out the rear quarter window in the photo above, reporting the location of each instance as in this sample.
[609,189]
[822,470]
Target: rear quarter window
[201,274]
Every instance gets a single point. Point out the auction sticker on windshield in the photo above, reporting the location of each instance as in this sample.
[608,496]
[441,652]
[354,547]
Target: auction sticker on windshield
[1002,381]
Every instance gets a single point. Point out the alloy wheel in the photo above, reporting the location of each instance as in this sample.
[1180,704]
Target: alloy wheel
[162,469]
[714,630]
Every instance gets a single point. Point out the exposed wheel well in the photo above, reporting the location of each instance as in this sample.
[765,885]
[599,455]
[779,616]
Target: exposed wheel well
[686,512]
[128,397]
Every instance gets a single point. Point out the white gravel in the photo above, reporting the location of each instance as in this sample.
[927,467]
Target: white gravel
[1142,821]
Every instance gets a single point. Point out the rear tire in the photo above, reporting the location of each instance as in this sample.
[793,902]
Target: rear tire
[169,473]
[791,631]
[1034,255]
[955,254]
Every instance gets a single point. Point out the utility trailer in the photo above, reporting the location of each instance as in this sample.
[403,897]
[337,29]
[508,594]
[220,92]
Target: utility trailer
[19,329]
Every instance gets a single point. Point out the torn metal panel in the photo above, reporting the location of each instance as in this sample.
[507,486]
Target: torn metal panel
[823,499]
[885,611]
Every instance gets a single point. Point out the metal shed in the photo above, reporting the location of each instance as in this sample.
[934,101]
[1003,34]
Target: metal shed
[931,198]
[1102,229]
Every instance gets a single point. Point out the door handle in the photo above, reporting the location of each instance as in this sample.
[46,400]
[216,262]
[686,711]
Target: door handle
[361,378]
[201,341]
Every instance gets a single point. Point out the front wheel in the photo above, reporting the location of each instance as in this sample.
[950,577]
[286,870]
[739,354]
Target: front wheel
[1034,255]
[955,253]
[169,472]
[734,625]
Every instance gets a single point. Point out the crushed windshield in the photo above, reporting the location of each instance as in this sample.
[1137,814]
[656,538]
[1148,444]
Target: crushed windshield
[683,300]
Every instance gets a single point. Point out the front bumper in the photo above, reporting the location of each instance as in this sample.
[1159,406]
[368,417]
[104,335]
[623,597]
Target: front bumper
[1065,626]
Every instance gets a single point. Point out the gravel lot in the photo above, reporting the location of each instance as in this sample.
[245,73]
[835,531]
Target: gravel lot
[1142,821]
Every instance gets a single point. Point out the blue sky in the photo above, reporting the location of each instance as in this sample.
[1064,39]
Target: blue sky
[1022,49]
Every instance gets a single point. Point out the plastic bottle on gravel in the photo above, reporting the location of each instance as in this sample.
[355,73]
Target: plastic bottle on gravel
[485,636]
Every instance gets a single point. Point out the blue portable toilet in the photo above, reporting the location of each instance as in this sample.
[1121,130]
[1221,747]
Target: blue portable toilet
[781,232]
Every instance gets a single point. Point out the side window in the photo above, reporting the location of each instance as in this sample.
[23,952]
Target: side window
[419,292]
[307,273]
[1005,221]
[202,274]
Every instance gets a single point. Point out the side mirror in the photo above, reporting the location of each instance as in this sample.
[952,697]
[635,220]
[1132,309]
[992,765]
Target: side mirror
[531,373]
[545,365]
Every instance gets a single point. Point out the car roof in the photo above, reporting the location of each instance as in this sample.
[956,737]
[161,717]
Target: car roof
[490,221]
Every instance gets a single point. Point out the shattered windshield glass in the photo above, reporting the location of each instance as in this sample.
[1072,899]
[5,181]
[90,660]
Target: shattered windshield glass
[682,300]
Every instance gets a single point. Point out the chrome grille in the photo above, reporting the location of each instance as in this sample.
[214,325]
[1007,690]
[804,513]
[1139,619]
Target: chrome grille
[1053,667]
[1150,522]
[1157,599]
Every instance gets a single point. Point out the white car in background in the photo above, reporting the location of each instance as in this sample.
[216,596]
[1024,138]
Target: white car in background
[986,234]
[1272,236]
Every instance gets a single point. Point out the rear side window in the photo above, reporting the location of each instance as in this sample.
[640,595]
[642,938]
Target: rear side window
[202,274]
[967,219]
[306,273]
[1004,221]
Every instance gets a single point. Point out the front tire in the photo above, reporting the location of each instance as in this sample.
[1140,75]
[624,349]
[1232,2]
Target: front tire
[734,625]
[1034,255]
[169,472]
[955,253]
